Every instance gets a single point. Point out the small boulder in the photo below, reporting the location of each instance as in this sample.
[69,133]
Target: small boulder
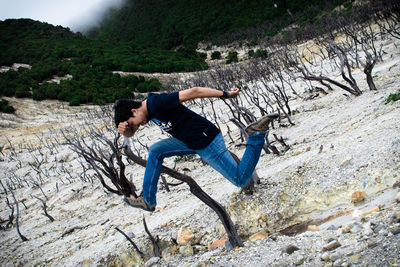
[186,250]
[260,235]
[358,196]
[184,236]
[152,262]
[325,256]
[331,246]
[216,244]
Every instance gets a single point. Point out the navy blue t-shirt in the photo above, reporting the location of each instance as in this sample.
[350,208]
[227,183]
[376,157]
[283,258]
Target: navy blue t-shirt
[179,121]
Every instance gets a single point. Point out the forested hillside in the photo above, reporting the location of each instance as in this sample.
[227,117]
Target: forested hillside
[171,23]
[51,51]
[141,36]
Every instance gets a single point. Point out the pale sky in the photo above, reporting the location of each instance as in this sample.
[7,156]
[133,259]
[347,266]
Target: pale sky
[75,14]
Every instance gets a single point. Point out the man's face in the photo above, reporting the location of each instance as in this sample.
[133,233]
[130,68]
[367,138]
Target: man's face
[139,118]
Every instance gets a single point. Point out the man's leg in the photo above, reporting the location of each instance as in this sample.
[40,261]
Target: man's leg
[217,156]
[157,152]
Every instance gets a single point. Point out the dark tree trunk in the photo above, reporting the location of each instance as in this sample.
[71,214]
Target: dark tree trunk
[369,65]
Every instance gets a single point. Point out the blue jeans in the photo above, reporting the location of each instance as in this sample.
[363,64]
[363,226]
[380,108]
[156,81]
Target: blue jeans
[215,154]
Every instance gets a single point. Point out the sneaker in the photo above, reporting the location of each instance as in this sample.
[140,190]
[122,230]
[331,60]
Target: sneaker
[139,203]
[261,125]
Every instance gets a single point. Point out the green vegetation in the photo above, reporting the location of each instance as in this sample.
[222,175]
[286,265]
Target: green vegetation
[393,97]
[5,107]
[139,37]
[232,57]
[215,55]
[57,51]
[172,23]
[259,53]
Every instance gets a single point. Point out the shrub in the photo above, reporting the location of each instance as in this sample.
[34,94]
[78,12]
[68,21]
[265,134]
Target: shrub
[393,97]
[261,53]
[130,80]
[232,57]
[251,53]
[150,85]
[203,56]
[5,108]
[215,55]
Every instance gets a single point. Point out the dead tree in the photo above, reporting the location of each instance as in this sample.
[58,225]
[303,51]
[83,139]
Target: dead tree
[131,241]
[345,68]
[44,206]
[11,216]
[154,240]
[23,238]
[387,16]
[360,37]
[105,158]
[294,62]
[367,37]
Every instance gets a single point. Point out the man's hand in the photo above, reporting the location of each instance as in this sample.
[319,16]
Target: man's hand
[234,93]
[125,129]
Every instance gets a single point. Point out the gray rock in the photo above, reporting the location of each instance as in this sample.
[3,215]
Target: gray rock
[300,260]
[356,227]
[131,235]
[332,228]
[395,218]
[334,256]
[152,262]
[331,246]
[383,232]
[325,256]
[186,250]
[378,228]
[228,245]
[395,230]
[368,231]
[373,223]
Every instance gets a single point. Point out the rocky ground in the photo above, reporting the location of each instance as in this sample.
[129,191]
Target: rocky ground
[336,190]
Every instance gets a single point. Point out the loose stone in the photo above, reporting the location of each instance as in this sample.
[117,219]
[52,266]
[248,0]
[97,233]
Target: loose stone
[216,244]
[186,250]
[325,256]
[184,236]
[358,197]
[331,246]
[152,262]
[334,256]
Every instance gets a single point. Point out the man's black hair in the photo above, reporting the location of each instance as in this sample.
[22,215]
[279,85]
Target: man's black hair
[123,109]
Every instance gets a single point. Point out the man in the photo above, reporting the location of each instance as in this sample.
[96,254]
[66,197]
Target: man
[191,133]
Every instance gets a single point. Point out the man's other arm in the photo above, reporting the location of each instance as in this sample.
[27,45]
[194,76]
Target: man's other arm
[204,92]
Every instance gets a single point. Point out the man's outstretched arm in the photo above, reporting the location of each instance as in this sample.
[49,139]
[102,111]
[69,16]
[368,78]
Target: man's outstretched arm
[204,92]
